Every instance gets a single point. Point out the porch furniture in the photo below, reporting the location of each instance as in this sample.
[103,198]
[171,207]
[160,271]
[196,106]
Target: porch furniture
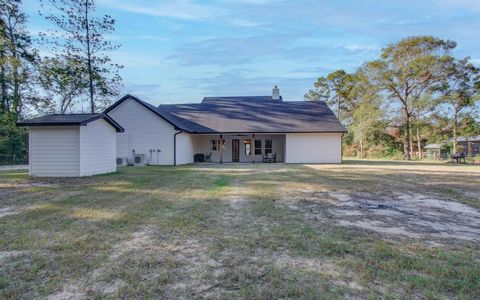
[458,157]
[208,157]
[264,158]
[199,157]
[271,157]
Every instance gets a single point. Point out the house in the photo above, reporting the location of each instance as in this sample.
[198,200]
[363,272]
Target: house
[469,145]
[226,129]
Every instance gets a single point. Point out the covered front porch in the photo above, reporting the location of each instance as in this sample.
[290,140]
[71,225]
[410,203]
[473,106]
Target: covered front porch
[240,147]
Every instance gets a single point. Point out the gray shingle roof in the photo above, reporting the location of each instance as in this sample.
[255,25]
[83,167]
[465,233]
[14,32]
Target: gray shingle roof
[466,139]
[68,120]
[256,114]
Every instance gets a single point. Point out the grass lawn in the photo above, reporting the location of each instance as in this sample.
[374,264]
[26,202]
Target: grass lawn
[364,229]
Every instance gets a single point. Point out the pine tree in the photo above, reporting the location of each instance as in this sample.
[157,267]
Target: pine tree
[79,39]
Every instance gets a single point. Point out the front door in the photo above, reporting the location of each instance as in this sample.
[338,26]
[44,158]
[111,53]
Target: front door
[235,150]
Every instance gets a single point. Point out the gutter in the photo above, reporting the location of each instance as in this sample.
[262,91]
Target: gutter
[175,146]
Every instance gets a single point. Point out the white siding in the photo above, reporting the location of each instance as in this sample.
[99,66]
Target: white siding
[313,148]
[185,149]
[54,151]
[144,131]
[97,148]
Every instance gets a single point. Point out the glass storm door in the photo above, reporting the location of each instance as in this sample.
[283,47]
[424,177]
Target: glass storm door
[235,150]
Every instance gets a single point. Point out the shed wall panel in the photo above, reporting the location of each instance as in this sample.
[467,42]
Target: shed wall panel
[97,148]
[54,151]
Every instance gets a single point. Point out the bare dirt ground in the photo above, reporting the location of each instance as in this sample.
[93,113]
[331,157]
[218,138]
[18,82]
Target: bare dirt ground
[359,230]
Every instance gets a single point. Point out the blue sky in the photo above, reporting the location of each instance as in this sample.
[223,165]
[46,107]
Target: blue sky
[180,51]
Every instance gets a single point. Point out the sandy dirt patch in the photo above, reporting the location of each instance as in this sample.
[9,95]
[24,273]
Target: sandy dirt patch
[413,215]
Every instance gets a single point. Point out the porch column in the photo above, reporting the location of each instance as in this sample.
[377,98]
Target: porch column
[252,148]
[221,148]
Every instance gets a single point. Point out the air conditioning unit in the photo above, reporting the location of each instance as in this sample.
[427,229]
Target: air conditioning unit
[121,161]
[139,160]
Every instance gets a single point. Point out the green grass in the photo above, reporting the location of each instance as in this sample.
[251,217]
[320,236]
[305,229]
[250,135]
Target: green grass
[231,231]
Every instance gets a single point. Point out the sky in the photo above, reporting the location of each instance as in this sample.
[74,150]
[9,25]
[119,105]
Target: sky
[181,51]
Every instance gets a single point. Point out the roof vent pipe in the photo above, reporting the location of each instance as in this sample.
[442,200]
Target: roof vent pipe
[276,93]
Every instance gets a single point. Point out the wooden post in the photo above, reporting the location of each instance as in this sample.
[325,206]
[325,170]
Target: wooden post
[469,149]
[252,148]
[221,148]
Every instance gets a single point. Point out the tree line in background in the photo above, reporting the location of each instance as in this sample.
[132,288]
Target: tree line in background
[75,68]
[416,92]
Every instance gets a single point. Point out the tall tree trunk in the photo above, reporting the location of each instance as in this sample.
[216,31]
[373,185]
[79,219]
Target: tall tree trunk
[3,79]
[410,138]
[419,144]
[16,103]
[406,135]
[89,57]
[455,121]
[338,107]
[361,149]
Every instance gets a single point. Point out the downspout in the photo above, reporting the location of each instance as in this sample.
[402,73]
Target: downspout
[341,148]
[175,146]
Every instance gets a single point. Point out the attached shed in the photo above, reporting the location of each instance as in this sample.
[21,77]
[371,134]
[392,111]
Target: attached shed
[70,145]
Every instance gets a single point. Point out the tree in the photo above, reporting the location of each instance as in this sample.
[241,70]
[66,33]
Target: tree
[18,62]
[366,119]
[64,81]
[406,71]
[421,109]
[336,90]
[461,89]
[18,59]
[80,40]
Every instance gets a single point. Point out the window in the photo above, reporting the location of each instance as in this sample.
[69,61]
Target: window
[258,147]
[268,146]
[248,147]
[214,145]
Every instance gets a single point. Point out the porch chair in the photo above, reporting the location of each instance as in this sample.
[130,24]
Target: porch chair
[271,157]
[208,158]
[264,158]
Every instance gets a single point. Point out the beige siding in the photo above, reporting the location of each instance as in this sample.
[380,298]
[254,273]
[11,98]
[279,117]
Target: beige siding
[313,148]
[185,148]
[54,151]
[97,148]
[144,131]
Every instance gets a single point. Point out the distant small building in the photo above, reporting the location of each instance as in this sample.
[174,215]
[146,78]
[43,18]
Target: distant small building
[433,151]
[468,145]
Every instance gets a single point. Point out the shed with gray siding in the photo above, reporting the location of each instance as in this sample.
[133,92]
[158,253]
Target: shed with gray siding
[72,145]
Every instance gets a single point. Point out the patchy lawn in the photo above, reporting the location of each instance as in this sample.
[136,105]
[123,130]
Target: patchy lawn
[364,229]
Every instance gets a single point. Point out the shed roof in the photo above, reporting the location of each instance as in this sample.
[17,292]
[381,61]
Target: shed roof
[69,120]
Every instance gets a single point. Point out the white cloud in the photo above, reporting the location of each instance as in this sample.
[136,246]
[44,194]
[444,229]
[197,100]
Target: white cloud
[180,9]
[245,23]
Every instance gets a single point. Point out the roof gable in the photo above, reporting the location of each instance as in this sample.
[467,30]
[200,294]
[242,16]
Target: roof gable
[144,104]
[69,120]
